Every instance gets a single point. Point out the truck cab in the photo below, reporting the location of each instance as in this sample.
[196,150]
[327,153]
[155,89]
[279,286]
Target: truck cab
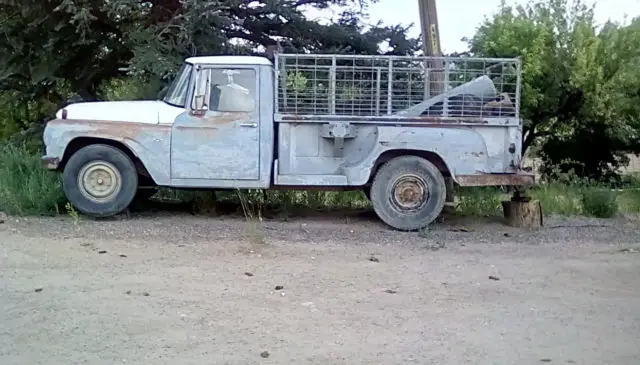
[221,143]
[302,121]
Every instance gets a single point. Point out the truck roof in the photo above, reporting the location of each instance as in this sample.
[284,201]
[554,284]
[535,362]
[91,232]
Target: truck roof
[230,60]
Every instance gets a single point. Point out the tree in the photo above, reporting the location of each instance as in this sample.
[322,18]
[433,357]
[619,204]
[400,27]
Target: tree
[50,49]
[606,126]
[86,42]
[577,104]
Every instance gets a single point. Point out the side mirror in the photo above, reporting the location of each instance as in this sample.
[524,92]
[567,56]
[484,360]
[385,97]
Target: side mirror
[199,104]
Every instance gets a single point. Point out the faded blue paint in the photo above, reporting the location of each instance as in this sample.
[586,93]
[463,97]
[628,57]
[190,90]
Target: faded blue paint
[150,143]
[226,149]
[465,150]
[206,148]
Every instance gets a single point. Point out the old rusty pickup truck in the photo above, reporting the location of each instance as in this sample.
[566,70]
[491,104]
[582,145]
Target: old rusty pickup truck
[403,129]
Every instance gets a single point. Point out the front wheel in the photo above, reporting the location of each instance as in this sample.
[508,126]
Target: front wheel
[408,193]
[100,180]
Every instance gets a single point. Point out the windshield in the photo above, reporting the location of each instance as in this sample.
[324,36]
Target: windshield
[177,92]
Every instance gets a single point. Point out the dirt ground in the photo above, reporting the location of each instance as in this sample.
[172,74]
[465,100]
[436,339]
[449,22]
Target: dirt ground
[177,289]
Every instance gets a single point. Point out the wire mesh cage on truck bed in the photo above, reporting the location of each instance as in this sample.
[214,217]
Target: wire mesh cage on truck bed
[391,86]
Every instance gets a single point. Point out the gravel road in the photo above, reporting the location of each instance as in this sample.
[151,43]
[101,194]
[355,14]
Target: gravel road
[177,289]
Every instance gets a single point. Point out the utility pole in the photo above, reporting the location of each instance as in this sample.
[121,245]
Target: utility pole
[434,80]
[431,47]
[429,27]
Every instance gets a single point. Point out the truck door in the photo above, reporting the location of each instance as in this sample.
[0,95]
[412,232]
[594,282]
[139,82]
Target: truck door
[221,139]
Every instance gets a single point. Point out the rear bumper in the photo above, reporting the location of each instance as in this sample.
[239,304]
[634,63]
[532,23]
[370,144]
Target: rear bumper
[514,179]
[50,163]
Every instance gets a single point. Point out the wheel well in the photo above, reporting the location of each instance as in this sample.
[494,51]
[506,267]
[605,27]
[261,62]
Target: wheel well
[432,157]
[77,143]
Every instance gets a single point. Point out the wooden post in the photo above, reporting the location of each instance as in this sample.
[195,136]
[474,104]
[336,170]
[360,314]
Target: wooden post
[523,213]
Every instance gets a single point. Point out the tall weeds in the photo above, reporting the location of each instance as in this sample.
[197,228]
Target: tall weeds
[26,188]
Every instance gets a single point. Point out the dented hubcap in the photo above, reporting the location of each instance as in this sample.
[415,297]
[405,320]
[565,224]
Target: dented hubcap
[99,181]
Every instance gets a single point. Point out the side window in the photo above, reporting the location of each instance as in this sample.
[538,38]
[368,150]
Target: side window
[233,90]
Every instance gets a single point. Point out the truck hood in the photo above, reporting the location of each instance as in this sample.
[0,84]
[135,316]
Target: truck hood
[143,111]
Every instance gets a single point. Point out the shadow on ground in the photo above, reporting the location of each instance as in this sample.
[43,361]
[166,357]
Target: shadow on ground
[449,219]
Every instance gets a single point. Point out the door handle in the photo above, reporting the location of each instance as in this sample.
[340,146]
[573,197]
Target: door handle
[249,125]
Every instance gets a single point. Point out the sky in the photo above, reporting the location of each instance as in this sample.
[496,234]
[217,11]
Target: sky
[460,18]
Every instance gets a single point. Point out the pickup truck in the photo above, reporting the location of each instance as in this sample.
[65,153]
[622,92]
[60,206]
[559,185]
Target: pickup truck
[405,130]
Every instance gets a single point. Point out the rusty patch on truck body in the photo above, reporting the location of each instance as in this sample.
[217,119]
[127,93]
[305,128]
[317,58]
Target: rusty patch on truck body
[116,130]
[221,117]
[513,179]
[149,142]
[108,128]
[224,118]
[209,125]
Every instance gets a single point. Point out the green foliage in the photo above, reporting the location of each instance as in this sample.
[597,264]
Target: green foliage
[25,187]
[562,197]
[89,42]
[579,100]
[599,202]
[483,202]
[629,200]
[559,198]
[122,49]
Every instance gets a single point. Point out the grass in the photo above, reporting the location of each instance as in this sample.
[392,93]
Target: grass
[252,207]
[559,198]
[26,188]
[482,201]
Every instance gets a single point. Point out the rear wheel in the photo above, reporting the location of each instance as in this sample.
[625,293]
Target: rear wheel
[408,193]
[100,180]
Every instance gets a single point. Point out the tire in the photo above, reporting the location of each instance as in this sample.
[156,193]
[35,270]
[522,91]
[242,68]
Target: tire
[425,190]
[100,180]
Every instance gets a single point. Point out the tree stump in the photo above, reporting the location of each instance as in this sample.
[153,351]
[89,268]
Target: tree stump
[523,214]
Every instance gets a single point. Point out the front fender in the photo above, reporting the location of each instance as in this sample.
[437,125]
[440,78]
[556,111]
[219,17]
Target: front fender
[149,143]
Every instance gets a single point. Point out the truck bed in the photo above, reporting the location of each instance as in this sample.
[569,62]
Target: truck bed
[376,86]
[338,115]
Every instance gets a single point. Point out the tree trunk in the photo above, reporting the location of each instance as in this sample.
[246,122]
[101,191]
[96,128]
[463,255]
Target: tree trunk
[523,214]
[87,94]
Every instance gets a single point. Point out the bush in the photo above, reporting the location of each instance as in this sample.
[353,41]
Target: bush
[629,200]
[600,203]
[559,198]
[26,188]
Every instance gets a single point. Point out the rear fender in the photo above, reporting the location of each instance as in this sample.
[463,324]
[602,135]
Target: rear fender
[463,151]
